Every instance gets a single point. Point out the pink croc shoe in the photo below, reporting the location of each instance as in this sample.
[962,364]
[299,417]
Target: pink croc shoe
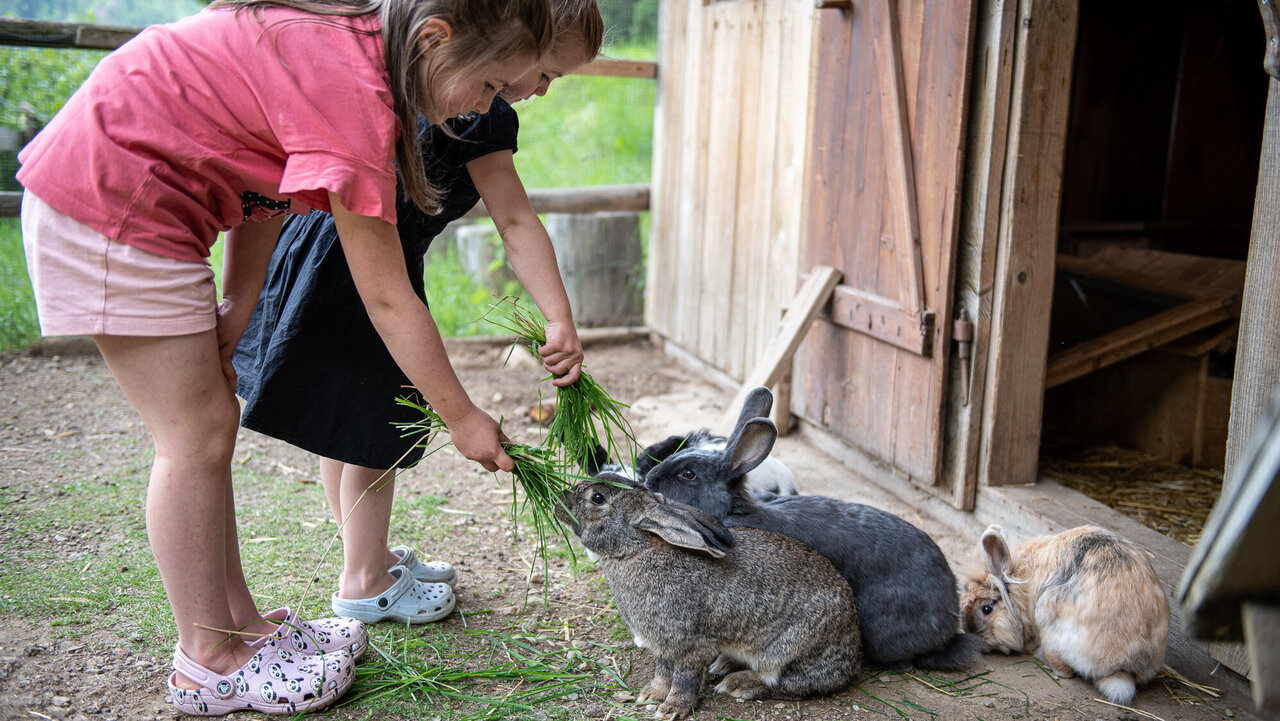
[275,681]
[321,635]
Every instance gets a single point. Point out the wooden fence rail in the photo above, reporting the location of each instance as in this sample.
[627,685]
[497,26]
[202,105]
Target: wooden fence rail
[591,199]
[50,34]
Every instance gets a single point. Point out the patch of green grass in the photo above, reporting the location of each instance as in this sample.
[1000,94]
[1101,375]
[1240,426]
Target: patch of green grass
[479,674]
[94,573]
[18,325]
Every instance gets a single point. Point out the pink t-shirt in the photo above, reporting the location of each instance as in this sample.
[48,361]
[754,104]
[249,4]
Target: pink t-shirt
[177,134]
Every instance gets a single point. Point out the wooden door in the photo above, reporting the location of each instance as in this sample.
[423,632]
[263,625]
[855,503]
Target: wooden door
[890,92]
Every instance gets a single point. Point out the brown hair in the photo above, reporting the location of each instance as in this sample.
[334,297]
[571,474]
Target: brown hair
[581,18]
[484,31]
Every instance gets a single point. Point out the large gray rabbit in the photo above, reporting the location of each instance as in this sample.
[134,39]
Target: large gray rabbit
[906,593]
[689,591]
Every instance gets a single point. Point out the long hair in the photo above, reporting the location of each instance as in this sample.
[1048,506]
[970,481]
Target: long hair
[579,19]
[484,32]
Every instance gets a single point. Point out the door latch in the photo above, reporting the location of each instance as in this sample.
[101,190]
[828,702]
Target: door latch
[962,333]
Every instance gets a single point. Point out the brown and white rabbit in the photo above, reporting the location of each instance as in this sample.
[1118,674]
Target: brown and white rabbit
[1085,601]
[689,591]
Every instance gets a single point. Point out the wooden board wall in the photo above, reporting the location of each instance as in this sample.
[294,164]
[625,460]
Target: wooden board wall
[728,174]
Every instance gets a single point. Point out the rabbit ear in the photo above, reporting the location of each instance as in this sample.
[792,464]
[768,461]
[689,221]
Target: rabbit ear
[757,404]
[657,453]
[750,446]
[995,551]
[595,459]
[686,527]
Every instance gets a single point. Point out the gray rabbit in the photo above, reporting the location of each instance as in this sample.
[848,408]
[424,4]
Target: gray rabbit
[688,590]
[770,476]
[906,593]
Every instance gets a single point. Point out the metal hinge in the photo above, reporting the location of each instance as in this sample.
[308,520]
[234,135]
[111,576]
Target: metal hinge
[962,334]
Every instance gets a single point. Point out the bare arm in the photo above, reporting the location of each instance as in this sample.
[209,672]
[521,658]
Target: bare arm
[534,260]
[245,256]
[376,260]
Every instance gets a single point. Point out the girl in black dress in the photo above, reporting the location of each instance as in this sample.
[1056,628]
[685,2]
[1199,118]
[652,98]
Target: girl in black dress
[313,371]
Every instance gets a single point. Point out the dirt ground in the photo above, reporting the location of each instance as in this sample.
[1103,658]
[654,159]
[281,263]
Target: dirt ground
[70,403]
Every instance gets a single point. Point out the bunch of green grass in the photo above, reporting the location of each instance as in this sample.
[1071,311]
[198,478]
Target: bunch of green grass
[586,416]
[543,480]
[508,680]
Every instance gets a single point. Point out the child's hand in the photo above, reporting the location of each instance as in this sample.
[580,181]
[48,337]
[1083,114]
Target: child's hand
[562,353]
[479,438]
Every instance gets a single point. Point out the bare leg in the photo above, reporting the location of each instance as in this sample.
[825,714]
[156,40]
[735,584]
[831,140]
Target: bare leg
[365,498]
[177,386]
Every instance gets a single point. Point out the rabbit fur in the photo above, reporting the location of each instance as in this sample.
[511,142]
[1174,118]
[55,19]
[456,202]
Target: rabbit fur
[905,590]
[1085,601]
[771,476]
[689,590]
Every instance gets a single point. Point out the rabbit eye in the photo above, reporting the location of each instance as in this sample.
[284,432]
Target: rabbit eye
[597,498]
[688,474]
[987,608]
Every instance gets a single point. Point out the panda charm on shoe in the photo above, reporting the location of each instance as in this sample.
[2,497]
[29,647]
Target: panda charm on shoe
[276,681]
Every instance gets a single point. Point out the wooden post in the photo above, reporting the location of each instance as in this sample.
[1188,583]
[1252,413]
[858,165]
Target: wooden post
[601,264]
[1257,369]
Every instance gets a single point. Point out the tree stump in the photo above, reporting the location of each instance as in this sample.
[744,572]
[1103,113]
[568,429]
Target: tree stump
[478,245]
[602,265]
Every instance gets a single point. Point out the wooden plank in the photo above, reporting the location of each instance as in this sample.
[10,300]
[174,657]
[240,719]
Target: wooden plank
[589,199]
[793,30]
[718,231]
[1136,338]
[1176,274]
[1023,284]
[1257,368]
[882,319]
[776,360]
[668,163]
[1262,636]
[979,233]
[750,247]
[901,184]
[51,34]
[619,68]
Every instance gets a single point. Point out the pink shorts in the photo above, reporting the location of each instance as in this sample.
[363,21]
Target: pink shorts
[88,284]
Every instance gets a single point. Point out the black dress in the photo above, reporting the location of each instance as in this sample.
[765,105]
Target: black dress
[310,366]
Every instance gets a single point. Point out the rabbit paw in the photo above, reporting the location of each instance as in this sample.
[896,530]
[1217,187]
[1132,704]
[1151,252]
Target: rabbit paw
[723,665]
[1061,668]
[745,685]
[655,690]
[669,711]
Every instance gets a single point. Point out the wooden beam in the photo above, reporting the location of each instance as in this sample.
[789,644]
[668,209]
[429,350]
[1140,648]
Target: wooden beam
[883,319]
[589,199]
[776,360]
[1136,338]
[1257,368]
[1022,289]
[10,203]
[50,34]
[903,207]
[620,68]
[53,34]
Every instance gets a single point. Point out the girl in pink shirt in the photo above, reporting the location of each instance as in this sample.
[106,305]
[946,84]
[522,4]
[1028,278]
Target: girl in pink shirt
[243,112]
